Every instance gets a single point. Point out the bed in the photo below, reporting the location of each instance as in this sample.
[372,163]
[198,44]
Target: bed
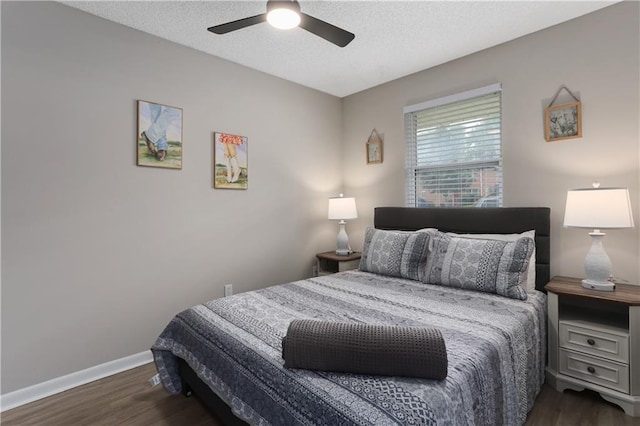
[228,351]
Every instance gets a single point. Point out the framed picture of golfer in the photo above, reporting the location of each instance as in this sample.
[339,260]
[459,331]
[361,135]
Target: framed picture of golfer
[159,136]
[563,122]
[230,161]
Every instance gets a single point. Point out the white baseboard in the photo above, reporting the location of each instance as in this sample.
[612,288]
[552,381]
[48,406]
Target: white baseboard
[50,387]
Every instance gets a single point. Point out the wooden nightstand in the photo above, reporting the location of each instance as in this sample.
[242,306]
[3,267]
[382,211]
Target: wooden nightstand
[330,263]
[594,341]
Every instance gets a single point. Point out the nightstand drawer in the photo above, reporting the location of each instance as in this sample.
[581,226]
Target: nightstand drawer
[595,370]
[595,340]
[349,265]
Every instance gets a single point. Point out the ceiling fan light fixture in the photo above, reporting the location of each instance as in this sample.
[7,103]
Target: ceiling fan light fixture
[283,15]
[286,14]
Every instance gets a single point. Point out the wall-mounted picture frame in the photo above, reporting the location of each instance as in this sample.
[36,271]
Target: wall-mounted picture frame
[230,161]
[563,122]
[374,148]
[159,136]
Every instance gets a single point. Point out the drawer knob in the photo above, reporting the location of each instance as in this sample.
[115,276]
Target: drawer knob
[591,370]
[591,342]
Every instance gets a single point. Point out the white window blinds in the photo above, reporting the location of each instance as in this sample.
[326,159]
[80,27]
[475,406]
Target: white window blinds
[454,150]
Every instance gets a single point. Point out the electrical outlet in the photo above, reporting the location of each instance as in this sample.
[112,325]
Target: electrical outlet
[228,290]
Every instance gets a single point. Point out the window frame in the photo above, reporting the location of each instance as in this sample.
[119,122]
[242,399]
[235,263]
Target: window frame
[412,169]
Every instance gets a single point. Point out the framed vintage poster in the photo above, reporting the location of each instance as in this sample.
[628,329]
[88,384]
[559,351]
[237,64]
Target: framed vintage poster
[374,148]
[159,136]
[563,122]
[230,161]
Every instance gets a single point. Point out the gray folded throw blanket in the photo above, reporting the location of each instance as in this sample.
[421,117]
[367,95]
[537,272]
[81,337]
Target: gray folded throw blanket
[365,349]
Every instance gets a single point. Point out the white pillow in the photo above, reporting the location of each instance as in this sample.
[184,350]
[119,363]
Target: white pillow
[530,284]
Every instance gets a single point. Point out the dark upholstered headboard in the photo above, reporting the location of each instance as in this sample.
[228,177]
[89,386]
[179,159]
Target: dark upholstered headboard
[506,220]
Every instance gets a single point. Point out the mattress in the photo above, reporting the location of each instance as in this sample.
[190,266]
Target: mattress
[496,350]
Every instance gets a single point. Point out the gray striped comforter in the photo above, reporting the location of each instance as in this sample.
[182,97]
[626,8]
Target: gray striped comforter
[495,346]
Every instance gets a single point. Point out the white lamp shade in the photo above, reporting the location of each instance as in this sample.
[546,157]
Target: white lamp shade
[342,208]
[598,208]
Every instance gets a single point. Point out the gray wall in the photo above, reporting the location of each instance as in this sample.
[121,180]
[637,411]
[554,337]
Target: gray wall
[99,254]
[596,56]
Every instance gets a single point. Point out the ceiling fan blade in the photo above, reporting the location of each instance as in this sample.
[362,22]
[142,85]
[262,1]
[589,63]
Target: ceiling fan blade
[323,29]
[238,25]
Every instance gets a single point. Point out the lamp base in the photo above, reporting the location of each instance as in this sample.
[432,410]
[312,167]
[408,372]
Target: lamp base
[343,252]
[598,285]
[343,248]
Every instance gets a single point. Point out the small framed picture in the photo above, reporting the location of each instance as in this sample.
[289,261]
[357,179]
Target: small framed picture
[374,148]
[230,161]
[374,152]
[563,122]
[159,136]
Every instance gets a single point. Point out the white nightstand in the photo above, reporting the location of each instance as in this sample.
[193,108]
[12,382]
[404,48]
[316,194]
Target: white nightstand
[330,263]
[594,341]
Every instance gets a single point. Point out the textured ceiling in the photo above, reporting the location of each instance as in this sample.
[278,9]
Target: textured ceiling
[393,38]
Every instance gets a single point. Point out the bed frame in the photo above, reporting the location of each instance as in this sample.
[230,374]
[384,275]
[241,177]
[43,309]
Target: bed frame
[512,220]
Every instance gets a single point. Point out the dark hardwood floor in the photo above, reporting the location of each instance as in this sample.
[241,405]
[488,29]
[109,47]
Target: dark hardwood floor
[123,399]
[128,399]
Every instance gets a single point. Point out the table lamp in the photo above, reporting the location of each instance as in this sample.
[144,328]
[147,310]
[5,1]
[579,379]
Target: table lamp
[598,208]
[341,208]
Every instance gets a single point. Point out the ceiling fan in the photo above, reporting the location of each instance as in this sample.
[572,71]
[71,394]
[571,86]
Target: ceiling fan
[285,15]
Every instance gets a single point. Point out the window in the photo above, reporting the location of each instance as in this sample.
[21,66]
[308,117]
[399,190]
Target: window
[454,150]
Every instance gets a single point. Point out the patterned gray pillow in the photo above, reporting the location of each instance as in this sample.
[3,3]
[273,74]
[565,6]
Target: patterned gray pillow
[395,253]
[489,266]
